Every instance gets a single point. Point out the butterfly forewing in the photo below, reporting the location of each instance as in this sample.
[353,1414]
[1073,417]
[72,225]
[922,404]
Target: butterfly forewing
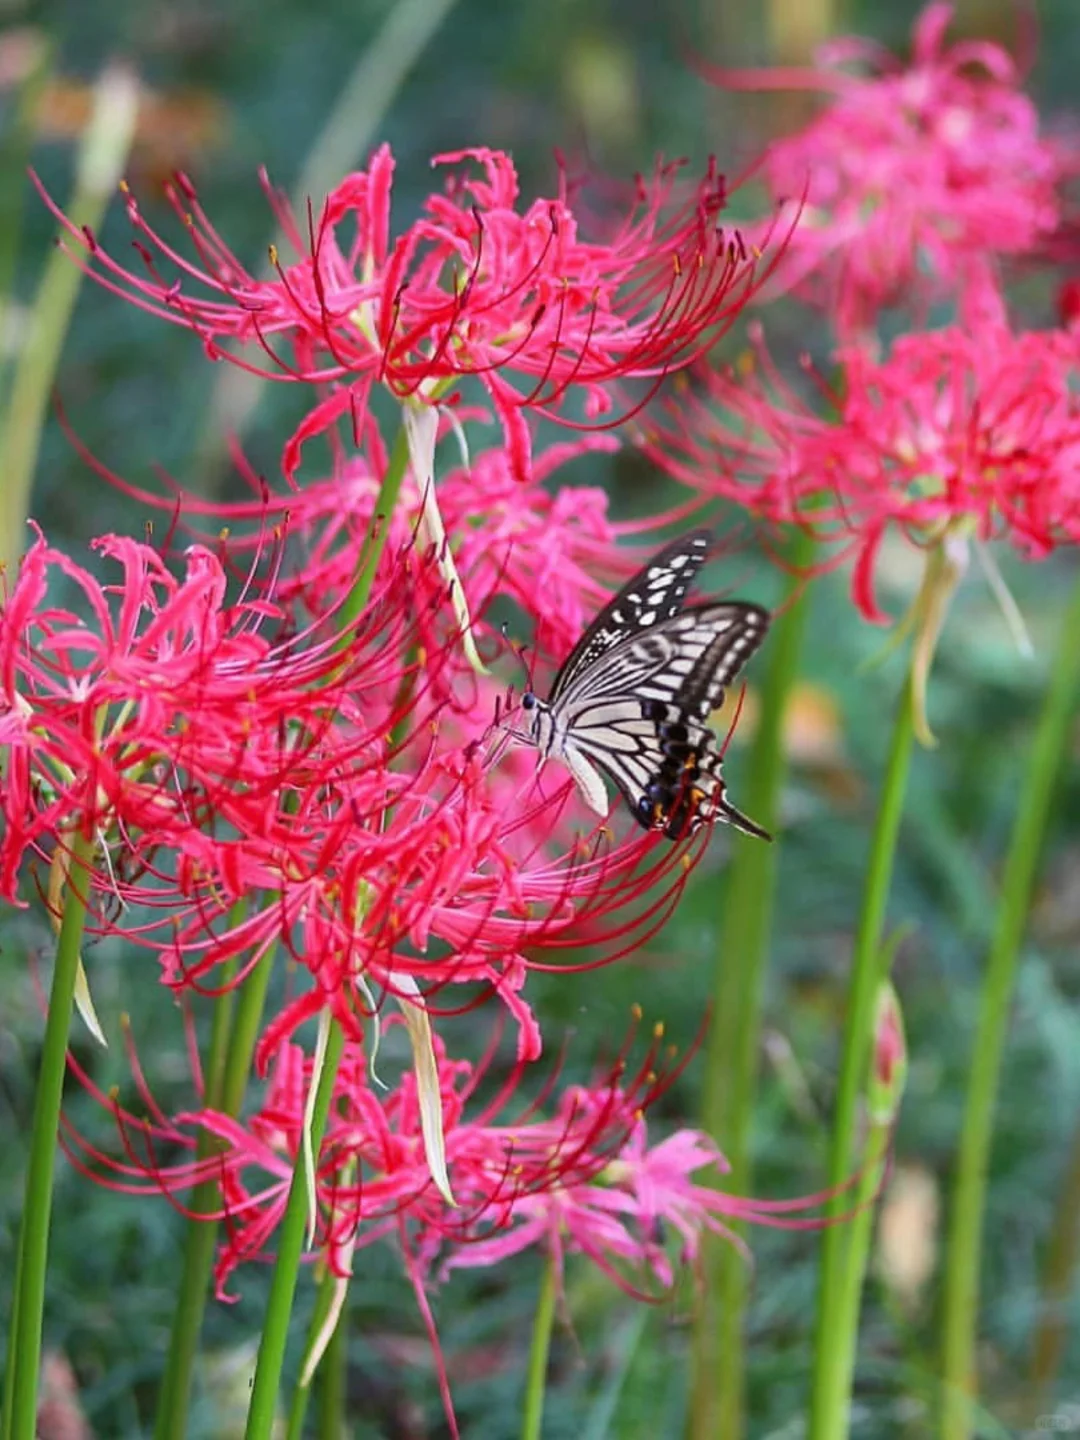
[655,593]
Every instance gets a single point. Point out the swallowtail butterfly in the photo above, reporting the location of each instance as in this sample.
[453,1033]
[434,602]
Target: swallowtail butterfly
[633,697]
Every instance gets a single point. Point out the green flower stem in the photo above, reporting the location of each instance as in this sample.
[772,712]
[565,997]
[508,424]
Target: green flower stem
[232,1042]
[536,1380]
[378,529]
[175,1392]
[881,1113]
[324,1299]
[290,1241]
[1057,1282]
[833,1355]
[961,1294]
[24,1358]
[716,1405]
[102,156]
[260,1420]
[332,1377]
[244,1033]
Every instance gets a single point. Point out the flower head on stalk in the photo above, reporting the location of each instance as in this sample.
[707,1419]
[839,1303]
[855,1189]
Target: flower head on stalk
[373,1169]
[582,1176]
[327,791]
[914,177]
[478,286]
[145,707]
[956,435]
[548,546]
[542,545]
[406,883]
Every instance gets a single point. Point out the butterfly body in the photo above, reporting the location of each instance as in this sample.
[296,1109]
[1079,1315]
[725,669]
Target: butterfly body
[632,699]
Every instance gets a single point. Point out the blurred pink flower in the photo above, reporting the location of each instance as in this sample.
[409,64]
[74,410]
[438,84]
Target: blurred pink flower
[914,176]
[618,1214]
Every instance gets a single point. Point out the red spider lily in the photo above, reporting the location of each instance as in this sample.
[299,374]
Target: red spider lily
[583,1179]
[436,882]
[618,1216]
[544,545]
[537,547]
[475,287]
[914,175]
[372,1171]
[220,769]
[956,432]
[160,700]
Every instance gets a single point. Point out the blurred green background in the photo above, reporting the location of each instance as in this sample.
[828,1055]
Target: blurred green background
[230,87]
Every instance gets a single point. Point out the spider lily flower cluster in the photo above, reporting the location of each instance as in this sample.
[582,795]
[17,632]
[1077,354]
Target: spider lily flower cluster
[288,748]
[275,761]
[474,288]
[582,1178]
[967,431]
[949,437]
[321,784]
[916,178]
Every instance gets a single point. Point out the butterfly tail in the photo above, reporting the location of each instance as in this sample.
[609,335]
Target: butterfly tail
[727,812]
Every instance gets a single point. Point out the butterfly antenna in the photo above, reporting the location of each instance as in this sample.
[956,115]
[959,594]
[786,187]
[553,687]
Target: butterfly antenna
[518,649]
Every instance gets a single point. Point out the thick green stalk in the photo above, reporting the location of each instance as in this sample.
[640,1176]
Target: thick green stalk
[102,156]
[716,1404]
[324,1299]
[24,1356]
[332,1379]
[882,1091]
[833,1361]
[260,1420]
[532,1415]
[290,1241]
[378,529]
[176,1389]
[232,1042]
[245,1032]
[961,1295]
[175,1392]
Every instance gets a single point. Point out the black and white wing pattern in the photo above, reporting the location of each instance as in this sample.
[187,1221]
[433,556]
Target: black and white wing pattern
[655,593]
[633,698]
